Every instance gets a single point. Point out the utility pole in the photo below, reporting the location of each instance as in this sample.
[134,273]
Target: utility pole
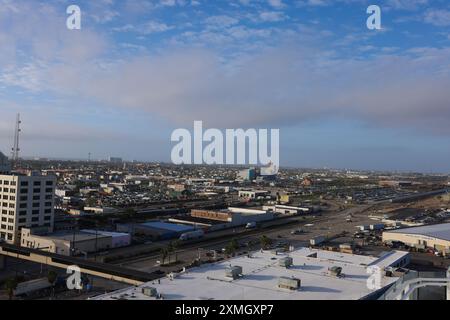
[16,149]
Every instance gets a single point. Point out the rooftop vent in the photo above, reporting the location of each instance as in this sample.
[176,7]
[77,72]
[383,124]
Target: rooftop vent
[289,283]
[286,262]
[149,291]
[233,272]
[335,271]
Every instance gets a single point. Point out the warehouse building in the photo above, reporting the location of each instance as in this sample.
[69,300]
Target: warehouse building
[70,243]
[436,237]
[302,274]
[156,230]
[234,216]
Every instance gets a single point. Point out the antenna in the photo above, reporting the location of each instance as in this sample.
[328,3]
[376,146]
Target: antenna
[15,148]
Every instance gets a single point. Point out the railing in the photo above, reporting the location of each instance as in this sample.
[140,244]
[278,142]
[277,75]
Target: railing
[407,285]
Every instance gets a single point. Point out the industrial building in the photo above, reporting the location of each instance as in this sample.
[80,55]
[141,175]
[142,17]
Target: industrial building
[302,274]
[288,210]
[69,243]
[253,194]
[156,230]
[436,237]
[27,201]
[247,174]
[234,216]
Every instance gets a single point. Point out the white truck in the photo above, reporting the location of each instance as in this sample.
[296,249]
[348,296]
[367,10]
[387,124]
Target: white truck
[251,225]
[197,234]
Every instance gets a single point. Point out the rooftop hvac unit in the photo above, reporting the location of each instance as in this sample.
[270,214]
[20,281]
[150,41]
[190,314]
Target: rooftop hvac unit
[233,272]
[335,271]
[149,291]
[286,262]
[289,283]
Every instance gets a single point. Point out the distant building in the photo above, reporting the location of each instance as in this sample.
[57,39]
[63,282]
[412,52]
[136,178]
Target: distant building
[5,165]
[435,237]
[27,202]
[247,174]
[234,216]
[288,210]
[115,160]
[253,194]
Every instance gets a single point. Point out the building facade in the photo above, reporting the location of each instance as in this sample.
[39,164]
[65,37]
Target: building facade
[25,201]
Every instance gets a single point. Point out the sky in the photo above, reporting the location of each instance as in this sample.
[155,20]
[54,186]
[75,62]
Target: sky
[343,96]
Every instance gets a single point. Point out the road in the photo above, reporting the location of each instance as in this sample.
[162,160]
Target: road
[329,224]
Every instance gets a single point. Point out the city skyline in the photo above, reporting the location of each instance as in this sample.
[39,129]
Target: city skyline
[342,96]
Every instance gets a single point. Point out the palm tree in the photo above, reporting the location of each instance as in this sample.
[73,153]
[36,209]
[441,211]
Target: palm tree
[52,276]
[10,286]
[164,253]
[173,246]
[265,241]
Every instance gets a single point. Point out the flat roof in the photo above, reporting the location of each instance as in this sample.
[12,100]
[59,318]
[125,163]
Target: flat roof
[439,231]
[168,226]
[69,236]
[260,278]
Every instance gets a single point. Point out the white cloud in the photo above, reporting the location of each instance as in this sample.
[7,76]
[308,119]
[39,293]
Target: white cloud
[440,18]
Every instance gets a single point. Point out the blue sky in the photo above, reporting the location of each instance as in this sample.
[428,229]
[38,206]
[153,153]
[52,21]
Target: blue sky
[342,95]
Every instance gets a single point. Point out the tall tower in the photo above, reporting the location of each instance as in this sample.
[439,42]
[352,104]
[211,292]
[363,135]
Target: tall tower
[15,148]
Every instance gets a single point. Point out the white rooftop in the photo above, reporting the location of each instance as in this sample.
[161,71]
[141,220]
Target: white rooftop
[260,279]
[439,231]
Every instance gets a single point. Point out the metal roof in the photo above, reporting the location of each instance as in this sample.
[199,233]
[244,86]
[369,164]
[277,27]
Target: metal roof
[439,231]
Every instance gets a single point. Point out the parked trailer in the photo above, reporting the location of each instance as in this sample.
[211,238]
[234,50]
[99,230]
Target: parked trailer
[192,235]
[28,287]
[317,240]
[375,227]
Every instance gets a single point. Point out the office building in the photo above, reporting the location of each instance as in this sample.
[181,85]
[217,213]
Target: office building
[27,200]
[5,166]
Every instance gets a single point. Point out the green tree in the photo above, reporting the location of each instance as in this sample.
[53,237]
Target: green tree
[231,247]
[52,276]
[10,286]
[265,242]
[164,254]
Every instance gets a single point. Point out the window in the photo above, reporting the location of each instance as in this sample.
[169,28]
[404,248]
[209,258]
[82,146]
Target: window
[24,184]
[48,204]
[49,190]
[23,191]
[36,204]
[37,183]
[22,220]
[49,183]
[35,219]
[35,212]
[36,190]
[23,198]
[22,213]
[23,206]
[48,218]
[48,197]
[48,211]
